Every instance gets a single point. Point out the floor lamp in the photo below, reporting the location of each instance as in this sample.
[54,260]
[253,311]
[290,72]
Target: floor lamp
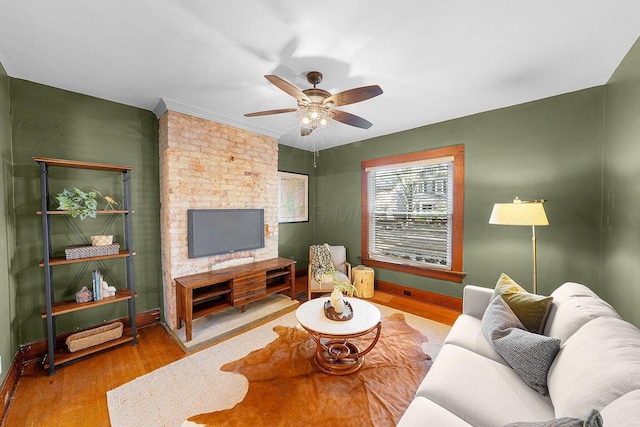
[522,212]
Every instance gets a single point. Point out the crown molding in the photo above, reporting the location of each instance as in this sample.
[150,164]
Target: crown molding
[168,105]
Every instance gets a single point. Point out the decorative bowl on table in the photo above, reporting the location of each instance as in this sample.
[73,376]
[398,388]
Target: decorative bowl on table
[330,312]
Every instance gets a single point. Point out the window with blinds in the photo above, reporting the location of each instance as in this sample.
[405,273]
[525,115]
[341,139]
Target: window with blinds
[409,211]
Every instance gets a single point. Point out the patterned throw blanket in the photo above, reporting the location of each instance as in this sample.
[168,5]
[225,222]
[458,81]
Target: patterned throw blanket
[321,265]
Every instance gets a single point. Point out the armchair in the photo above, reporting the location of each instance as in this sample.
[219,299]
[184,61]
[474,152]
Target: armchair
[342,270]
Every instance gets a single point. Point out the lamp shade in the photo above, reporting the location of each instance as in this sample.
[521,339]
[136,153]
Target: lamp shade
[518,213]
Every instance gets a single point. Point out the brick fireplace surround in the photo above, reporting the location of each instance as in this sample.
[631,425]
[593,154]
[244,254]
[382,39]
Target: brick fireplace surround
[207,165]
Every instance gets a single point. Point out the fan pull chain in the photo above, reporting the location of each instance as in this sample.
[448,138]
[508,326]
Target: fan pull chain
[316,153]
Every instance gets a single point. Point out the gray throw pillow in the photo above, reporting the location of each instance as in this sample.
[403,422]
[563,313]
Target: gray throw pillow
[532,309]
[529,354]
[593,420]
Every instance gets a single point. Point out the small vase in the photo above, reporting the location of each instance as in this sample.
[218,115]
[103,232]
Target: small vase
[84,295]
[336,301]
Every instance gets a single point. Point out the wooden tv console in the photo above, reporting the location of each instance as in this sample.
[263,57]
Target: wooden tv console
[205,293]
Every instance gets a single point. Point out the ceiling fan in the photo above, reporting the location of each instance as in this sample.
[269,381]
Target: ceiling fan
[315,106]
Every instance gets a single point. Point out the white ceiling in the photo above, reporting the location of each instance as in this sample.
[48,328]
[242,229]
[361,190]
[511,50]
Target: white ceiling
[434,59]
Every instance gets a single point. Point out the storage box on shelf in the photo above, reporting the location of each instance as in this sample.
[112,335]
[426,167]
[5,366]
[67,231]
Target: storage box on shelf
[88,251]
[56,356]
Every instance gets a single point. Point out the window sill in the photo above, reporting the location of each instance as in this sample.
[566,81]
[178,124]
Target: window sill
[448,275]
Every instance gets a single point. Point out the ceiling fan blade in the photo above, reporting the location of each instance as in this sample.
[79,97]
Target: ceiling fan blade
[266,113]
[287,87]
[352,96]
[351,119]
[305,131]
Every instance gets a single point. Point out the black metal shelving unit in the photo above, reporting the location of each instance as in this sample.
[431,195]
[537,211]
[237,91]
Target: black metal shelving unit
[54,308]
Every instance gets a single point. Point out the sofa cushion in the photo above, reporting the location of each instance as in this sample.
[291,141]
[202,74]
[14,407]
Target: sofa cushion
[529,354]
[573,306]
[624,411]
[469,385]
[328,286]
[531,309]
[595,366]
[467,332]
[593,420]
[422,409]
[339,258]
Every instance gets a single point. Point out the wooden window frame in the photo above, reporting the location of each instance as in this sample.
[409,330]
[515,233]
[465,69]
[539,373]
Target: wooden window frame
[455,274]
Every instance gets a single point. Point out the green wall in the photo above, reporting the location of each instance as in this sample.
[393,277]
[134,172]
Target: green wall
[621,203]
[549,149]
[552,149]
[8,340]
[49,122]
[295,238]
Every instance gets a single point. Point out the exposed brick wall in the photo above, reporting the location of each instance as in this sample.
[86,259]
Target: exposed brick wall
[208,165]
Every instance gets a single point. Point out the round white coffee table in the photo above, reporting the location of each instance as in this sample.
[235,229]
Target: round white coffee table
[335,354]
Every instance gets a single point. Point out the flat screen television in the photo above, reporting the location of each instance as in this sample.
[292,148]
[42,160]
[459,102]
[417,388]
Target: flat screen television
[224,231]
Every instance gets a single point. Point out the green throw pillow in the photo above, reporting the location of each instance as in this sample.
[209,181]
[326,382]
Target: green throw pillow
[531,309]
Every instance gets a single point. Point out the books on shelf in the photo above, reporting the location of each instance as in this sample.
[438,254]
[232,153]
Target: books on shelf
[101,289]
[97,279]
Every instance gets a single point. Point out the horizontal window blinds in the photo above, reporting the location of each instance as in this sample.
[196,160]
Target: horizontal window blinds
[410,213]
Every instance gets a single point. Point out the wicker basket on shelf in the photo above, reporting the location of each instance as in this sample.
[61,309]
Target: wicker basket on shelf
[95,336]
[102,240]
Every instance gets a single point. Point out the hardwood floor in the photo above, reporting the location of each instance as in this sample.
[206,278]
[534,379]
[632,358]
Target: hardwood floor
[430,311]
[76,394]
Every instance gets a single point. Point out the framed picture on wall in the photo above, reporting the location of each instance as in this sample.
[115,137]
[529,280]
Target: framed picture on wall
[293,197]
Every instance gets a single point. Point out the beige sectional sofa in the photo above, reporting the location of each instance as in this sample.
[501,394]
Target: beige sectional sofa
[596,367]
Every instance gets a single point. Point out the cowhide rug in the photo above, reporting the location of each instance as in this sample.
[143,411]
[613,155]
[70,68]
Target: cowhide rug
[286,390]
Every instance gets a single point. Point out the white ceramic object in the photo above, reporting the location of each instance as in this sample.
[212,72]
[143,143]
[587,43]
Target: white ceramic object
[336,300]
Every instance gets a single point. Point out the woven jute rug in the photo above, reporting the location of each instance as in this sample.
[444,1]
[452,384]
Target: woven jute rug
[264,377]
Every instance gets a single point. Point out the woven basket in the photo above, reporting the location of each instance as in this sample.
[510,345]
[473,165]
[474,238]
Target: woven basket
[91,337]
[102,240]
[85,251]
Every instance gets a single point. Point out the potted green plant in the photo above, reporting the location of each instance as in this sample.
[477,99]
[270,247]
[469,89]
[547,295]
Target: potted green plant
[345,287]
[78,203]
